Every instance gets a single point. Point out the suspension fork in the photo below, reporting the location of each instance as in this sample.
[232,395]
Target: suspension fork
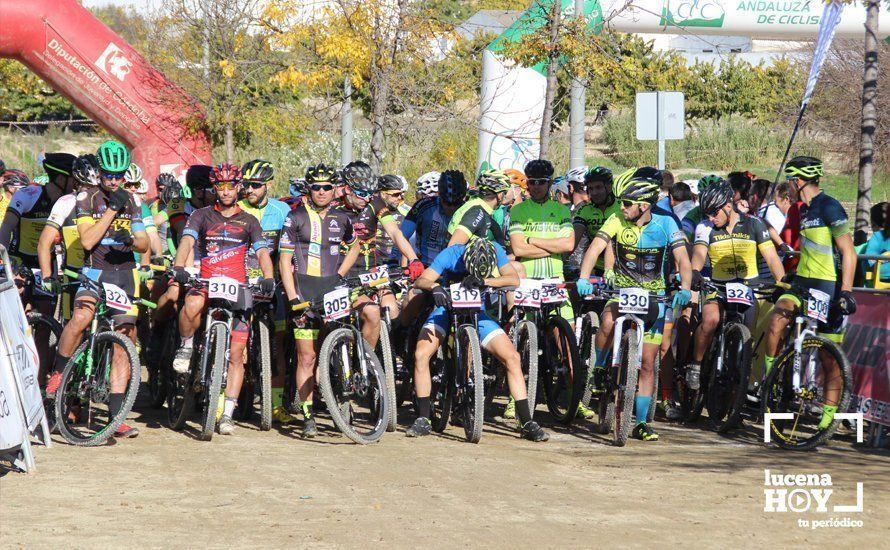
[618,334]
[804,329]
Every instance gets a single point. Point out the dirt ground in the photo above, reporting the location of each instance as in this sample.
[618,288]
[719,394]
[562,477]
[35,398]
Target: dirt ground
[272,489]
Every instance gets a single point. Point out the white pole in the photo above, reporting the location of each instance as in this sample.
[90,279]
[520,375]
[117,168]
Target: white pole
[576,115]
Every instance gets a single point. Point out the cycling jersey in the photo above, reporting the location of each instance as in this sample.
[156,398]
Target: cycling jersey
[475,219]
[61,218]
[691,221]
[384,244]
[822,221]
[734,256]
[31,206]
[547,220]
[427,220]
[641,253]
[109,253]
[4,203]
[316,241]
[271,218]
[222,242]
[449,263]
[365,223]
[588,219]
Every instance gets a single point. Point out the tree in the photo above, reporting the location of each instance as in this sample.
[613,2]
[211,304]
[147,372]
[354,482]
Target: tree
[869,120]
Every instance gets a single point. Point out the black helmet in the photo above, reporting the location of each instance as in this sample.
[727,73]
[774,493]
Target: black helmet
[480,257]
[58,163]
[651,173]
[86,169]
[198,176]
[389,182]
[452,187]
[359,177]
[166,179]
[600,173]
[257,170]
[715,197]
[319,173]
[538,169]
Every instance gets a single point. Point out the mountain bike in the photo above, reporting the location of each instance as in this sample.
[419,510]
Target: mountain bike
[82,400]
[350,376]
[811,371]
[261,355]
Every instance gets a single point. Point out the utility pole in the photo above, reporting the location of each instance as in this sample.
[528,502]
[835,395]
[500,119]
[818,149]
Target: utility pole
[346,124]
[869,121]
[576,115]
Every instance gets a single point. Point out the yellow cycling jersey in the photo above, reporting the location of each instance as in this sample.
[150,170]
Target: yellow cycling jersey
[734,255]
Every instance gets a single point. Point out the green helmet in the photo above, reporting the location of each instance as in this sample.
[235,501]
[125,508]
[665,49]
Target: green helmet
[113,157]
[708,181]
[805,168]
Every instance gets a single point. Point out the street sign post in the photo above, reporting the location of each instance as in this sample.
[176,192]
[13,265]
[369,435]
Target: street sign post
[660,116]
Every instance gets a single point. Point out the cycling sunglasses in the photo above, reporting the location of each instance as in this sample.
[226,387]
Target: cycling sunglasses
[223,185]
[395,193]
[362,194]
[628,204]
[539,181]
[114,175]
[319,187]
[254,184]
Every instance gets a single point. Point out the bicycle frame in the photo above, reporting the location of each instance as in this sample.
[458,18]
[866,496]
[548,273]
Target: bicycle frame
[618,334]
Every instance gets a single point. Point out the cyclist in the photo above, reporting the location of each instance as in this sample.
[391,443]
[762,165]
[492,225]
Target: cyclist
[518,186]
[591,216]
[135,184]
[694,217]
[390,190]
[517,193]
[111,230]
[223,234]
[734,242]
[367,212]
[297,189]
[427,186]
[474,264]
[641,241]
[576,179]
[271,214]
[13,180]
[824,233]
[169,189]
[474,218]
[310,262]
[540,234]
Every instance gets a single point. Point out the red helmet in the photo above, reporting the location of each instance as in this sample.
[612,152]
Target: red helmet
[225,172]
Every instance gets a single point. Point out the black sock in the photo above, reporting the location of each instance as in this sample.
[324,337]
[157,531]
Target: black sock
[423,407]
[522,412]
[60,362]
[115,402]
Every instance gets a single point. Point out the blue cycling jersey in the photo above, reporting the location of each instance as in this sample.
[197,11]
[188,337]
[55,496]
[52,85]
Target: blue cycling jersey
[449,263]
[427,220]
[271,218]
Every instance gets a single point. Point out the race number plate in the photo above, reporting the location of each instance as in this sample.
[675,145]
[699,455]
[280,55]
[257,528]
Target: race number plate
[529,293]
[737,293]
[223,288]
[633,300]
[462,298]
[38,282]
[817,305]
[116,297]
[336,304]
[550,294]
[375,278]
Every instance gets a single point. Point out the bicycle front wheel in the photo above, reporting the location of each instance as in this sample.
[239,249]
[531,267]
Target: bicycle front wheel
[625,389]
[525,338]
[83,412]
[357,402]
[824,380]
[590,324]
[563,374]
[469,378]
[728,389]
[389,369]
[217,363]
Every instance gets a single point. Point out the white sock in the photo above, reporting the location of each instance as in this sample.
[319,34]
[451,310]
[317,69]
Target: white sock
[229,406]
[187,342]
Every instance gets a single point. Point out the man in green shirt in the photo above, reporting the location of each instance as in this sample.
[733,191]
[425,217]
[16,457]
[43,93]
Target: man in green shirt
[474,218]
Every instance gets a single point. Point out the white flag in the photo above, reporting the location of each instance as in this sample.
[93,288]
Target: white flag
[831,16]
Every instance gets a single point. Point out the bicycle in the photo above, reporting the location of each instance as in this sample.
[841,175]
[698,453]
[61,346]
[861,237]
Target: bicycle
[206,379]
[547,344]
[86,379]
[616,388]
[351,378]
[797,386]
[260,359]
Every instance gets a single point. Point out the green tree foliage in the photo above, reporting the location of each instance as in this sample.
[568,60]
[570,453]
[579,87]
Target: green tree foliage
[25,97]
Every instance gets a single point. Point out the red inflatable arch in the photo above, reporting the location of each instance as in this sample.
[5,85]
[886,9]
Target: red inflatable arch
[107,79]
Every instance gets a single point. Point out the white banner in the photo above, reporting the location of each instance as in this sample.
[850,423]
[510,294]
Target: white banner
[831,16]
[12,425]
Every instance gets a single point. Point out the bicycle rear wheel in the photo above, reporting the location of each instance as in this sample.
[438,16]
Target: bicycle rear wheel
[82,405]
[40,323]
[218,344]
[357,403]
[728,389]
[442,394]
[805,403]
[470,396]
[590,323]
[166,342]
[562,373]
[525,338]
[389,370]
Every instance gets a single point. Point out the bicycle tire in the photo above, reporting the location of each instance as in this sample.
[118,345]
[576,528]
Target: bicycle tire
[159,370]
[55,328]
[558,377]
[180,399]
[471,400]
[218,363]
[783,367]
[626,390]
[590,324]
[526,342]
[725,409]
[265,373]
[442,390]
[343,417]
[72,369]
[389,370]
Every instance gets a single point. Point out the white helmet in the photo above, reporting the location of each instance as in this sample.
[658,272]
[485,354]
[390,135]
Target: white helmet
[134,173]
[143,187]
[428,185]
[404,182]
[576,175]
